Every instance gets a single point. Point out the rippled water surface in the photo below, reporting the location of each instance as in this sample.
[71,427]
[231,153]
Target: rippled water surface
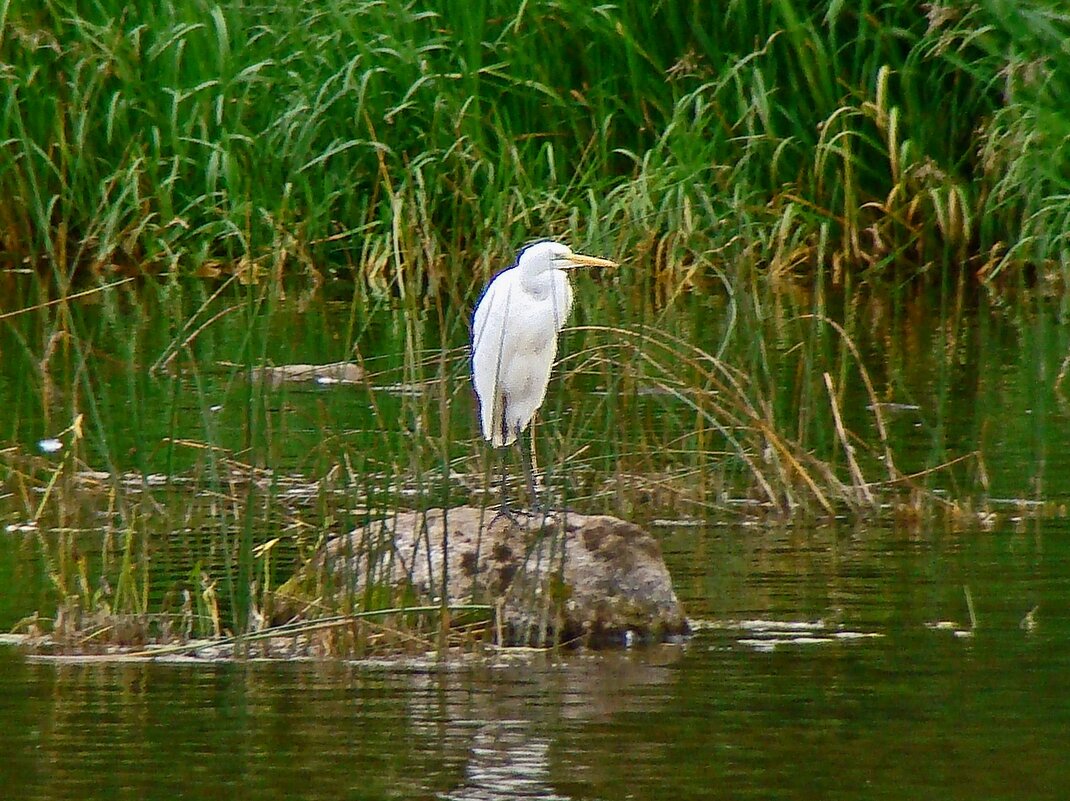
[829,664]
[842,662]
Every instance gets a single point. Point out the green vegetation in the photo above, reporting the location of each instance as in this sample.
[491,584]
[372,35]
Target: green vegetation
[193,193]
[400,141]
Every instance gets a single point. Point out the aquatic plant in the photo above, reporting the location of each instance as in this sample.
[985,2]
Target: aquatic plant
[188,191]
[178,499]
[397,142]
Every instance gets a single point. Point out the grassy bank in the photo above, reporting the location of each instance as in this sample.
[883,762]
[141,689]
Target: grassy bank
[413,146]
[362,167]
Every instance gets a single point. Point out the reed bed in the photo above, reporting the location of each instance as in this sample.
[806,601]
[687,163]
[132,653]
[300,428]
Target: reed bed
[397,141]
[198,196]
[166,484]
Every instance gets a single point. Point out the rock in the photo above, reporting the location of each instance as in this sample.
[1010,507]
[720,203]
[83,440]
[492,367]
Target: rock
[565,578]
[334,373]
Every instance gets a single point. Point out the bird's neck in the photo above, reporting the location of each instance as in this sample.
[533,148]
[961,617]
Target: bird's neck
[541,285]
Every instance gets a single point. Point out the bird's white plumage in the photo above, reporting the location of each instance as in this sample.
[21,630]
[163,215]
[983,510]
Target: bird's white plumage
[514,336]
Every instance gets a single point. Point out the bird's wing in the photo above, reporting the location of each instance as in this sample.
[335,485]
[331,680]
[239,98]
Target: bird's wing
[488,321]
[488,332]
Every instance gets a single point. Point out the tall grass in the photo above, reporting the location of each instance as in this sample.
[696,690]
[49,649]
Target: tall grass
[183,495]
[393,156]
[413,143]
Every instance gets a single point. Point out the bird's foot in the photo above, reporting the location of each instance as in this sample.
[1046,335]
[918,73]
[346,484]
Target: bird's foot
[519,516]
[538,512]
[507,513]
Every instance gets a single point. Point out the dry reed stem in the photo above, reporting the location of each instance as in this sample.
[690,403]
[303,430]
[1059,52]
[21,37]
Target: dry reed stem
[712,370]
[875,405]
[66,298]
[848,449]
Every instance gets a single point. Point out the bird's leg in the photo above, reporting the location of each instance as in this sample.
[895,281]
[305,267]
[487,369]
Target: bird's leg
[525,457]
[503,510]
[505,489]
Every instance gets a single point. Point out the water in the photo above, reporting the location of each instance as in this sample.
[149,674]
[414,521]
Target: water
[922,660]
[832,663]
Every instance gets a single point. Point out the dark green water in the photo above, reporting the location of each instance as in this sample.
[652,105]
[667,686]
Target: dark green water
[927,708]
[830,663]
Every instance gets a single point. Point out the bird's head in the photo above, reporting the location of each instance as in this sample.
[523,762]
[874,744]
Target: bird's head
[543,256]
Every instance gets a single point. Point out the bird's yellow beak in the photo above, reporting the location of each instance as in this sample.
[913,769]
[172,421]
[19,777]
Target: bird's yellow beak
[579,260]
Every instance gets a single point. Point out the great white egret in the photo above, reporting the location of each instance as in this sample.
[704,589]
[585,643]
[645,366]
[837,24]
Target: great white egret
[514,342]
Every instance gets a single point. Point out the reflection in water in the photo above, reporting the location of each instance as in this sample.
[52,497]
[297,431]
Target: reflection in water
[269,730]
[506,761]
[915,712]
[507,716]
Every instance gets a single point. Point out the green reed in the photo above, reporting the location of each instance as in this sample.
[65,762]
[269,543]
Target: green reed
[189,485]
[294,154]
[393,140]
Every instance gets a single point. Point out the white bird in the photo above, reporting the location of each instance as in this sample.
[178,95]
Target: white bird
[514,341]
